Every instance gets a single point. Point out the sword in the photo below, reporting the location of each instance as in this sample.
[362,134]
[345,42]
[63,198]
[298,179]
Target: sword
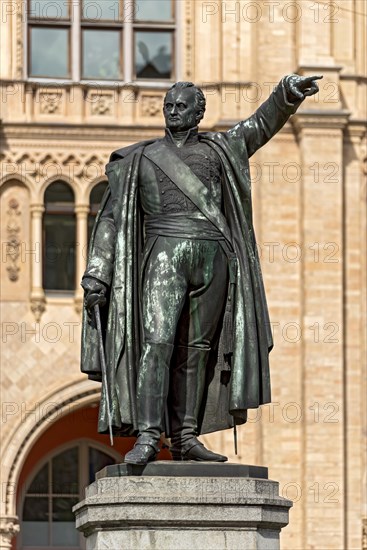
[92,300]
[235,435]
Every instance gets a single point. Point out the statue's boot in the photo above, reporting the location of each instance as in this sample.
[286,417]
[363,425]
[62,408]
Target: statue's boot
[187,384]
[152,390]
[195,450]
[141,453]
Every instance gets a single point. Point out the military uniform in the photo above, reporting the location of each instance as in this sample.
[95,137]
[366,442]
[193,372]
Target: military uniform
[184,289]
[165,265]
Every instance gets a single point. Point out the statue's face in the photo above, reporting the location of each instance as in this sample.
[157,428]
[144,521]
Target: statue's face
[180,110]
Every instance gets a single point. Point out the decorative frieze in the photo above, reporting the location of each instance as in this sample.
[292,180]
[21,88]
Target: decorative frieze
[82,167]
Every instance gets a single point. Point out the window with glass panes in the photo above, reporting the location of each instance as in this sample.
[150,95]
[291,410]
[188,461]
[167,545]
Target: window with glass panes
[102,40]
[47,520]
[59,236]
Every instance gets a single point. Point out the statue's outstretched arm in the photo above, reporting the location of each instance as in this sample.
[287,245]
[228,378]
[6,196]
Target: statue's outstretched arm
[271,116]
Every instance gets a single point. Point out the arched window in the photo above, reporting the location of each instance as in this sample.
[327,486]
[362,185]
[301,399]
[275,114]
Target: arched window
[47,517]
[94,203]
[59,238]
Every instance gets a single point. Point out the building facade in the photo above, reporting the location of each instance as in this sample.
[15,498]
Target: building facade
[80,78]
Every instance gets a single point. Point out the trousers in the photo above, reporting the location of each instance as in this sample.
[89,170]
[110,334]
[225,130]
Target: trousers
[184,291]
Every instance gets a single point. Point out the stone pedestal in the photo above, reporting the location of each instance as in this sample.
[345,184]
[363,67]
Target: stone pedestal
[167,505]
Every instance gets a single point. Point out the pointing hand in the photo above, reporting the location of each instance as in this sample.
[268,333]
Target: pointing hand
[299,87]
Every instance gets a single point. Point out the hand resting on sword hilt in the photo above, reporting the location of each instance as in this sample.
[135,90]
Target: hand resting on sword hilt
[94,292]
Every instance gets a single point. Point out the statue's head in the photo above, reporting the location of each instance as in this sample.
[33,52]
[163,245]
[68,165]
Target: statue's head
[183,107]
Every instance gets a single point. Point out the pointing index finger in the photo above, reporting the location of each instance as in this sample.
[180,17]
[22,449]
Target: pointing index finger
[316,77]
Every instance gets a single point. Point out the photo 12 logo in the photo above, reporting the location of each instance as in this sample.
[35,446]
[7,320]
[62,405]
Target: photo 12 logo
[271,11]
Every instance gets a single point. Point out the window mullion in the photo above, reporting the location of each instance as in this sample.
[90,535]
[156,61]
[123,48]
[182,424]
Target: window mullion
[50,491]
[76,37]
[83,468]
[128,44]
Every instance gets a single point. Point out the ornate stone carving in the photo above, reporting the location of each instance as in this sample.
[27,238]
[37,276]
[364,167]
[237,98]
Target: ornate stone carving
[50,103]
[19,67]
[363,153]
[81,167]
[151,105]
[9,528]
[364,533]
[38,306]
[189,40]
[13,240]
[101,105]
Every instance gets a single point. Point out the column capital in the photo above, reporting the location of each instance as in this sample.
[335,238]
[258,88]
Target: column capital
[357,129]
[82,209]
[37,208]
[9,528]
[320,120]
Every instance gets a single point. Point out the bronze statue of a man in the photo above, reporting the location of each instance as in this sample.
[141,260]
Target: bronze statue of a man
[173,260]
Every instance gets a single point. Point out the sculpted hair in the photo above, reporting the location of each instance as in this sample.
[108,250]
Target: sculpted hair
[200,98]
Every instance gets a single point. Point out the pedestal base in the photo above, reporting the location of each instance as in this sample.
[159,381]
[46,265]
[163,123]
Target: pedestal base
[167,505]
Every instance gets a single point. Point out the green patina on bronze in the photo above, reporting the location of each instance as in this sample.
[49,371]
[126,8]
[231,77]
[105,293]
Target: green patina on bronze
[141,270]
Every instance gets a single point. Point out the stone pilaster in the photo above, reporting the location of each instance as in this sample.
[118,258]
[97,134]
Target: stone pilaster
[355,252]
[320,133]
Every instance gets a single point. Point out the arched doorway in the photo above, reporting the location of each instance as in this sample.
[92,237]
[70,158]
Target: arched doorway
[60,464]
[69,426]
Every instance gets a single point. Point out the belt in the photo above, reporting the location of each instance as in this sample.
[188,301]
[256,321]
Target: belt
[182,224]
